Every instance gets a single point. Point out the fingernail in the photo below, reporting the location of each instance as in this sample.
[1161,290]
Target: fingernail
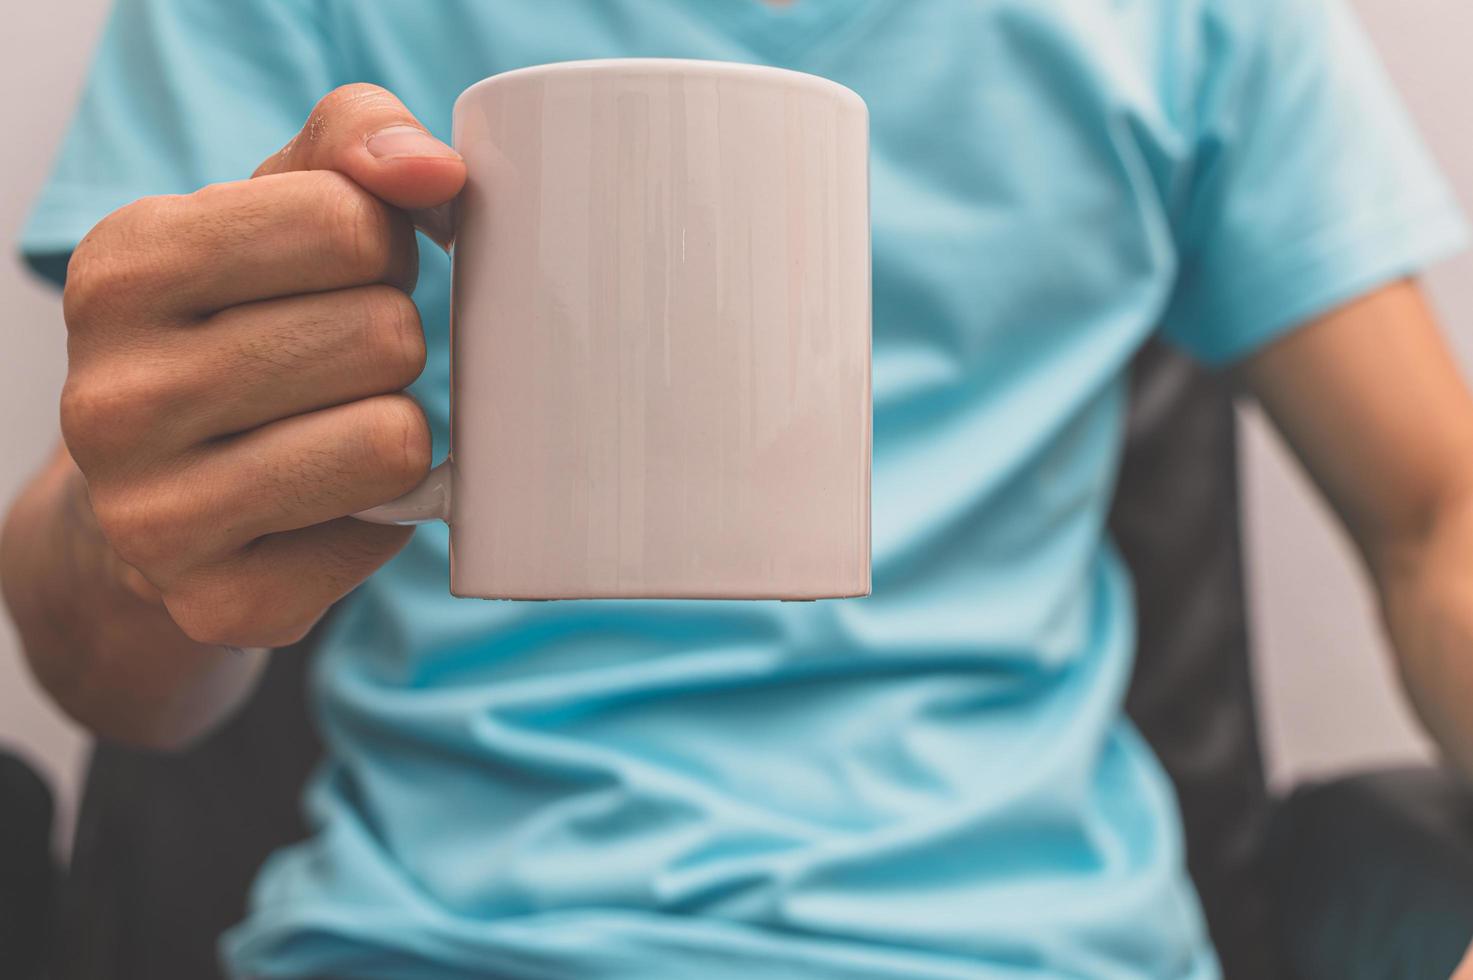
[406,141]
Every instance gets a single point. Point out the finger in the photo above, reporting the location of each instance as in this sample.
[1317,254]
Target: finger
[284,357]
[365,132]
[189,256]
[272,593]
[260,362]
[312,468]
[300,471]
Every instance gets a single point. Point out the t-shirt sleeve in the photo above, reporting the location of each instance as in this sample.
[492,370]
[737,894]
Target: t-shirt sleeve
[181,93]
[1309,186]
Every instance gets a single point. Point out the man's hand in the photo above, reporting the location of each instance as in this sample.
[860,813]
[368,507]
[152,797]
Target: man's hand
[236,364]
[236,357]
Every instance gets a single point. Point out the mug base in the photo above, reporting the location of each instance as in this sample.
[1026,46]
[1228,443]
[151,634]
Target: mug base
[507,596]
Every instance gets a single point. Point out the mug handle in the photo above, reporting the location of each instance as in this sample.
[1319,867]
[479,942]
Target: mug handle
[430,501]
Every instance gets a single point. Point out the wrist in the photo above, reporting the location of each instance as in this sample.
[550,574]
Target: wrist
[96,635]
[53,557]
[29,558]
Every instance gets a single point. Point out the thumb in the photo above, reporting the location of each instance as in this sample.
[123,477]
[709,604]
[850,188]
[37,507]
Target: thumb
[366,133]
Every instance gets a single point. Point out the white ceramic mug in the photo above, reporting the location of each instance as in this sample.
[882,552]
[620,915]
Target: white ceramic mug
[660,336]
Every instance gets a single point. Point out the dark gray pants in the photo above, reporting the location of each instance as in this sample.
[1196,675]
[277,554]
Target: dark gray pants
[1374,876]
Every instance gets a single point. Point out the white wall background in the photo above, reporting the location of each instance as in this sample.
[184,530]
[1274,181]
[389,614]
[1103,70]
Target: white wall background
[1328,695]
[43,55]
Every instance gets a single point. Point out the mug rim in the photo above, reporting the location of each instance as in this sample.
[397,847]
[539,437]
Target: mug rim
[665,66]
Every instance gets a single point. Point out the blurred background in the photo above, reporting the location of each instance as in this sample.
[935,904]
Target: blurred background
[1327,694]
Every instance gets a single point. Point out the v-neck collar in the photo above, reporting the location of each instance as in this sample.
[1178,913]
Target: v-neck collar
[787,32]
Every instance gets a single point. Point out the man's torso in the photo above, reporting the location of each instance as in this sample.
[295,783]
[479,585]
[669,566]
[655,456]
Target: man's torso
[914,784]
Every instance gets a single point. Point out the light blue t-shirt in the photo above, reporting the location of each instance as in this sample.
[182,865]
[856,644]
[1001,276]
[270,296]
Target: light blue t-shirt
[933,782]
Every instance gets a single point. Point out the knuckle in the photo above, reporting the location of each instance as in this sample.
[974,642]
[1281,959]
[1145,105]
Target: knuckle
[106,268]
[233,610]
[241,212]
[205,620]
[397,441]
[395,336]
[126,530]
[199,621]
[208,613]
[356,227]
[209,198]
[115,406]
[341,100]
[82,412]
[87,275]
[139,527]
